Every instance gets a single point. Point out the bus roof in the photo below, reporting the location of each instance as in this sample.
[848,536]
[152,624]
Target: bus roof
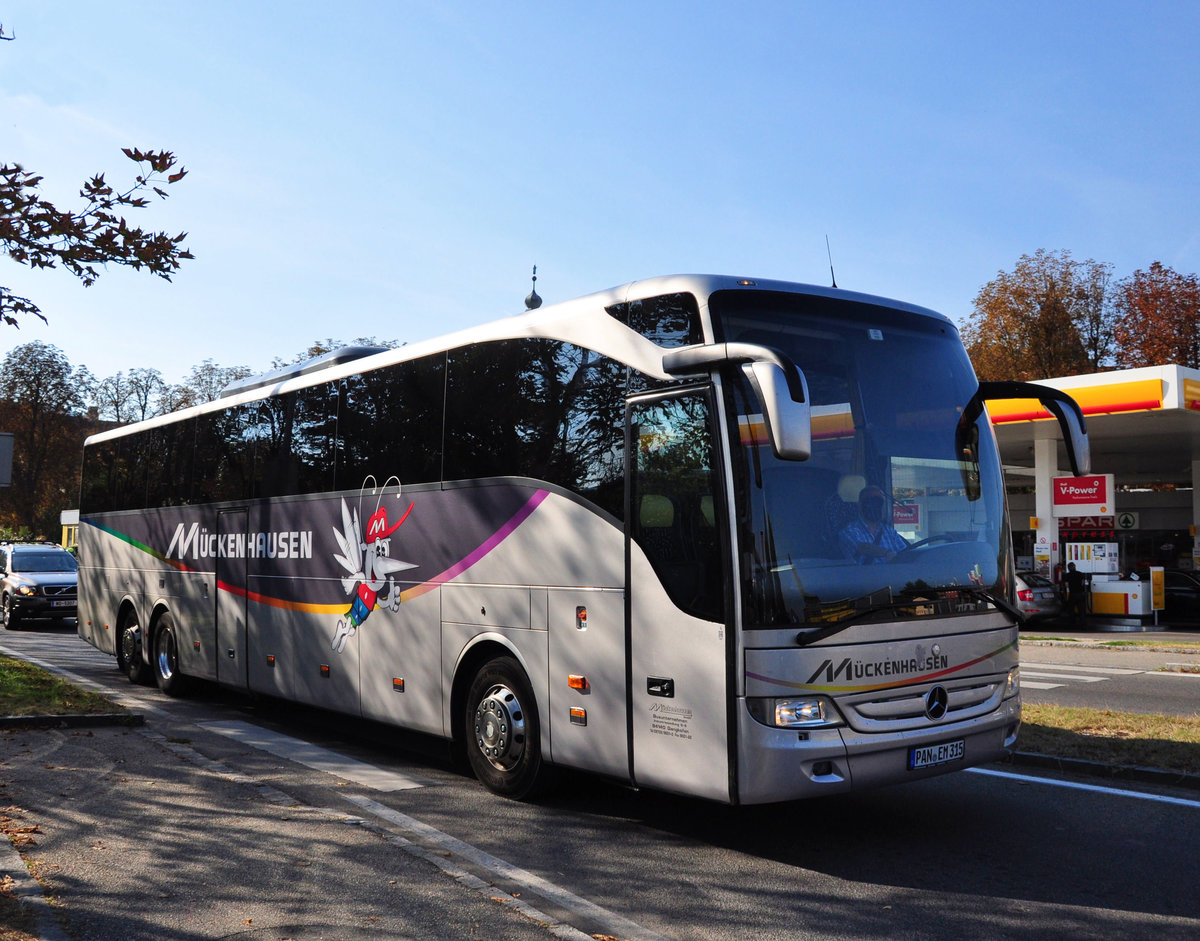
[572,321]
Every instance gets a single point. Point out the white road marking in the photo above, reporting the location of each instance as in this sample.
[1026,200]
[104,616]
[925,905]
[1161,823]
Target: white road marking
[313,756]
[1026,684]
[615,924]
[1093,788]
[1062,676]
[1110,671]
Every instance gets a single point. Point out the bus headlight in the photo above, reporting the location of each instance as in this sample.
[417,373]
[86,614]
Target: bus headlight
[1013,685]
[802,713]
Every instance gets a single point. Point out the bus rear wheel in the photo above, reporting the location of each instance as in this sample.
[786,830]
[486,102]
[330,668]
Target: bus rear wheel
[129,650]
[166,658]
[502,731]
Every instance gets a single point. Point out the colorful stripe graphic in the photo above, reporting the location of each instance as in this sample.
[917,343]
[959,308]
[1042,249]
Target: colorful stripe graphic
[339,607]
[874,687]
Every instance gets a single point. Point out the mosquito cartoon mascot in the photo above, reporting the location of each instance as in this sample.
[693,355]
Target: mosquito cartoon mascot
[369,563]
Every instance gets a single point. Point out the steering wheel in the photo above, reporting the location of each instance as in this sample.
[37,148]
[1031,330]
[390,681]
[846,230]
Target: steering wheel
[928,541]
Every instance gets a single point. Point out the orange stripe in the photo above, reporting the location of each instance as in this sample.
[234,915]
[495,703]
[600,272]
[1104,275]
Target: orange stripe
[1140,396]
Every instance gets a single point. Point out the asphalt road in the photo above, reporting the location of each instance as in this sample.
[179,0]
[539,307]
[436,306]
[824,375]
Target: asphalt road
[225,818]
[1125,680]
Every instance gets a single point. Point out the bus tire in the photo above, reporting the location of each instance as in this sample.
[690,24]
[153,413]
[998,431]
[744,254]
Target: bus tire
[129,649]
[502,732]
[165,658]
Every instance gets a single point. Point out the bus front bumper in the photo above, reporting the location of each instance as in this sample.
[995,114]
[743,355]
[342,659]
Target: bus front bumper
[785,764]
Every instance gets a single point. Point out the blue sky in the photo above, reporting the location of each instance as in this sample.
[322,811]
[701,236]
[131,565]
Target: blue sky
[395,169]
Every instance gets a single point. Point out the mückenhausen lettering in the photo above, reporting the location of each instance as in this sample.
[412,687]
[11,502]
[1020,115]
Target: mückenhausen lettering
[196,542]
[873,669]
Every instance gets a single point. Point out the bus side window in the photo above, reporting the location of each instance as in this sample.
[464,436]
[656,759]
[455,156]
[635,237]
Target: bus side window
[674,511]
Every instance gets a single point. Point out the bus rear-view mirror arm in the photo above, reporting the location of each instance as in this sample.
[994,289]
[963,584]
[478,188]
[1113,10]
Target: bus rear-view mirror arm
[777,382]
[1057,402]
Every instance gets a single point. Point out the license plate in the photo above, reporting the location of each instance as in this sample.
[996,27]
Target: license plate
[928,756]
[62,604]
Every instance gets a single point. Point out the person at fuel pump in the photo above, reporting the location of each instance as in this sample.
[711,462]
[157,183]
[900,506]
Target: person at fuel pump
[1076,583]
[870,538]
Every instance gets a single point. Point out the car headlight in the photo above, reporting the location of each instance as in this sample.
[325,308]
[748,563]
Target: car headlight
[1012,685]
[796,712]
[27,590]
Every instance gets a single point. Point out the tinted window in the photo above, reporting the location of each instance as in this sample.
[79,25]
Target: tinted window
[293,438]
[101,466]
[390,424]
[167,463]
[537,408]
[670,320]
[223,456]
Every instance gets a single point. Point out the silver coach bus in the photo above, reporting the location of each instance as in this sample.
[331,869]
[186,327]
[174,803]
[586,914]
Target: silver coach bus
[739,539]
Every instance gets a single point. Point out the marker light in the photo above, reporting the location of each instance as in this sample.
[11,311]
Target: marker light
[1013,685]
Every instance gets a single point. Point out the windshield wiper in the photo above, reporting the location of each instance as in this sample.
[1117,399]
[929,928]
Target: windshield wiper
[921,597]
[987,595]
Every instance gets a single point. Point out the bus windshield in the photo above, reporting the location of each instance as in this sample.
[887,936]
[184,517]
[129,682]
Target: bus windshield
[897,514]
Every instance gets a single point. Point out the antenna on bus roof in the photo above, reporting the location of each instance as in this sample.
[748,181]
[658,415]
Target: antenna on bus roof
[832,276]
[533,302]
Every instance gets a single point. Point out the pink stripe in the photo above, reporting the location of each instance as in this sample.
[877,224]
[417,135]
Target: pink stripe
[484,548]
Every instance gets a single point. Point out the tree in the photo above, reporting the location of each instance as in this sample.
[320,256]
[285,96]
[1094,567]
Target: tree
[42,404]
[203,384]
[1049,316]
[135,397]
[34,232]
[1159,318]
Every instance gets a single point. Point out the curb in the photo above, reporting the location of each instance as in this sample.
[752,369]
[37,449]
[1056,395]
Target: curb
[72,721]
[1111,772]
[1109,645]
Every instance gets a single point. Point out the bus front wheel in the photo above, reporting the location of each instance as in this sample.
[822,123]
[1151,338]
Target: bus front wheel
[502,731]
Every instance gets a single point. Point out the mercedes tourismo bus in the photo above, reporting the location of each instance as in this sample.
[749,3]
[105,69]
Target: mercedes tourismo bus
[736,539]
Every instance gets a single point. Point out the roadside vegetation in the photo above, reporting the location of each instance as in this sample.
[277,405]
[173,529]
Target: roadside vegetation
[1167,743]
[26,690]
[1158,644]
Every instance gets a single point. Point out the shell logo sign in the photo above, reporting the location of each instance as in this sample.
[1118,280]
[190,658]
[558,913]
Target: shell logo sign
[1083,496]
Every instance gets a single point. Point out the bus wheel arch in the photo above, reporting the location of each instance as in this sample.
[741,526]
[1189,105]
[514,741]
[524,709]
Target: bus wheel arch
[497,723]
[164,654]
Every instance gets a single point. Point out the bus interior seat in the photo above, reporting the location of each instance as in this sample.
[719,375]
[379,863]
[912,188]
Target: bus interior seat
[663,535]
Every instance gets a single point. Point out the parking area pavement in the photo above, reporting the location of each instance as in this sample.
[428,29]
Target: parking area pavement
[133,834]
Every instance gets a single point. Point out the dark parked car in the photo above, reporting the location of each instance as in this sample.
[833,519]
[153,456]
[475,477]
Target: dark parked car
[37,580]
[1037,597]
[1182,591]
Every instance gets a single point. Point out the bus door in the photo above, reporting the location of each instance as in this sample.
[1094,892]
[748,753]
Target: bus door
[676,586]
[231,604]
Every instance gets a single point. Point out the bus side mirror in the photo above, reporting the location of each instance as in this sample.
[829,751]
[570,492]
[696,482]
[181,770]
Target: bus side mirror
[1056,402]
[1070,419]
[778,384]
[788,421]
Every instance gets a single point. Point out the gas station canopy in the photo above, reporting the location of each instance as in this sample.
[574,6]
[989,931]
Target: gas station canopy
[1143,424]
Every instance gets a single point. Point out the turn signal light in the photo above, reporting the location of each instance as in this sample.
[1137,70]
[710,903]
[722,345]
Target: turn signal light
[575,681]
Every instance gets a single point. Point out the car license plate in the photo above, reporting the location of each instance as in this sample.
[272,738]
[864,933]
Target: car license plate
[928,756]
[62,604]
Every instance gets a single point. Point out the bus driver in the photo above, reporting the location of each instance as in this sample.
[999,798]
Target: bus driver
[870,538]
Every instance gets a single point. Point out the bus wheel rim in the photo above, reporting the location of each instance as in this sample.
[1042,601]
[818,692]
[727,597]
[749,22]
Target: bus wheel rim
[131,643]
[500,728]
[166,655]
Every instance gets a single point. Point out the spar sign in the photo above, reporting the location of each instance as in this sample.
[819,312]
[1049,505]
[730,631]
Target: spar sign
[1083,496]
